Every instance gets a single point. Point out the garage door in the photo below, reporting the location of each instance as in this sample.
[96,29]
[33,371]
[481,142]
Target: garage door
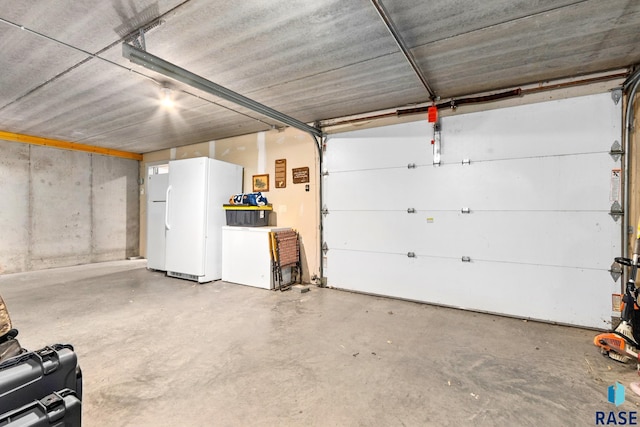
[515,220]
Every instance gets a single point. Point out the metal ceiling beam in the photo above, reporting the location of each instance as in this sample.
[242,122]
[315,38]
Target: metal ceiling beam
[159,65]
[403,46]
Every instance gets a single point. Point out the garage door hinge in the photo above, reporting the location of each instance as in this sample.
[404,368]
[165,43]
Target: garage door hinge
[325,248]
[615,271]
[465,210]
[466,161]
[616,95]
[411,210]
[324,210]
[466,259]
[411,166]
[616,211]
[411,254]
[616,151]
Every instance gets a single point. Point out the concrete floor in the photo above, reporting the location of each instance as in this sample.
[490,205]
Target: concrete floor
[157,351]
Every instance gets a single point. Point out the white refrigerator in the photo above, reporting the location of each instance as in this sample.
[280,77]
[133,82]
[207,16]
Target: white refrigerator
[156,210]
[194,216]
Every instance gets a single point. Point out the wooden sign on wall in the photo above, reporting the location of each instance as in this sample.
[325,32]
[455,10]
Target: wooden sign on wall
[300,175]
[281,173]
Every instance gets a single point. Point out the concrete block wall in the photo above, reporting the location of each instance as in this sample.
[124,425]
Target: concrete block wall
[62,208]
[116,210]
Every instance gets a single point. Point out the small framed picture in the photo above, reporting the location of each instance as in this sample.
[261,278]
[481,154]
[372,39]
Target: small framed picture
[260,183]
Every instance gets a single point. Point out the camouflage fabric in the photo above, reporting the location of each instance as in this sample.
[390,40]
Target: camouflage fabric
[5,321]
[9,348]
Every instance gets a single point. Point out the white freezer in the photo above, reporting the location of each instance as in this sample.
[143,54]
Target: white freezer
[197,190]
[246,259]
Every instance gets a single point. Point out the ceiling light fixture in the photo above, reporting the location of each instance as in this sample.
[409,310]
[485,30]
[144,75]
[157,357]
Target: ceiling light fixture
[166,99]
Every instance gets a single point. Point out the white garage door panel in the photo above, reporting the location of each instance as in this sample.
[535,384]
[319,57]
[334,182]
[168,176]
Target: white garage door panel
[521,291]
[372,189]
[539,238]
[500,185]
[376,231]
[577,125]
[368,149]
[543,183]
[539,234]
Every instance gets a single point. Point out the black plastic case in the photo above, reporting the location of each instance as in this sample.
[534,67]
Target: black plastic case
[59,409]
[36,374]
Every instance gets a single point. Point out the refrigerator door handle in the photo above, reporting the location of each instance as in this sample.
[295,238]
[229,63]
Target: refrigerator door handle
[166,210]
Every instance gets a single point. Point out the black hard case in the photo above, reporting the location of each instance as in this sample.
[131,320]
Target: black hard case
[36,374]
[60,409]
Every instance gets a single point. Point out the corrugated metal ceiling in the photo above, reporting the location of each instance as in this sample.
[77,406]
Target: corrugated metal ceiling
[311,60]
